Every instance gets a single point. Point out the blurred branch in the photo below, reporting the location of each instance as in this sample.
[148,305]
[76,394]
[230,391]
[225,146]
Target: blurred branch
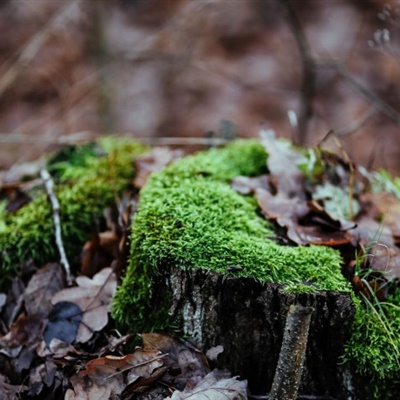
[356,124]
[308,84]
[367,94]
[100,53]
[33,47]
[85,136]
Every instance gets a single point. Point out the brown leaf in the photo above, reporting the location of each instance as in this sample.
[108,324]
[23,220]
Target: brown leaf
[181,356]
[282,162]
[305,223]
[388,208]
[93,297]
[108,376]
[154,161]
[26,330]
[96,253]
[214,386]
[43,285]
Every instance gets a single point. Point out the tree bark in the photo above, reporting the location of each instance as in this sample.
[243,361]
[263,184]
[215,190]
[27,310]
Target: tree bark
[248,319]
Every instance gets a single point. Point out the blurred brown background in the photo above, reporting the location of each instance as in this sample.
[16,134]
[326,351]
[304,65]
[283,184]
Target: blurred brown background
[73,69]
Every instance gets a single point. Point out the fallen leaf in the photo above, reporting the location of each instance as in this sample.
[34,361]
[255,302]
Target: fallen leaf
[23,361]
[93,297]
[10,392]
[154,161]
[43,285]
[15,297]
[304,221]
[214,386]
[41,376]
[182,357]
[388,208]
[213,353]
[63,322]
[282,162]
[108,376]
[248,185]
[26,330]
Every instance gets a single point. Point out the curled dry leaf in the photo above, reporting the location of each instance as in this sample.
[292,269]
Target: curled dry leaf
[93,297]
[108,376]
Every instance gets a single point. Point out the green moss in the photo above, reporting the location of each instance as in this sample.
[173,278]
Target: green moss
[189,217]
[83,189]
[374,347]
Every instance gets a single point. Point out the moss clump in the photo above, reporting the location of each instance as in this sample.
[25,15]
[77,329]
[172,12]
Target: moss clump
[83,187]
[189,217]
[374,346]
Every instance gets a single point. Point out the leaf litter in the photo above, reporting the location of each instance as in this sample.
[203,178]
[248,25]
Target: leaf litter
[60,341]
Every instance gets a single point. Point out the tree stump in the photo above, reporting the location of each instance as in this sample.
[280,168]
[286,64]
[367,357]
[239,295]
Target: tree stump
[248,319]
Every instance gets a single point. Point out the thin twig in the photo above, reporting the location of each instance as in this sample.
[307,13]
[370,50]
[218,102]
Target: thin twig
[357,124]
[308,84]
[33,47]
[370,96]
[49,185]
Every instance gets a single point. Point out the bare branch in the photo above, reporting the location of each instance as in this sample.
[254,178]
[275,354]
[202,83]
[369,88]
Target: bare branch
[357,124]
[370,96]
[35,45]
[49,184]
[308,85]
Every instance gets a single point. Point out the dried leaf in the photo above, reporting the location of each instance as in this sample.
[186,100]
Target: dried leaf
[282,162]
[93,297]
[15,297]
[247,185]
[181,356]
[63,323]
[305,223]
[41,376]
[213,353]
[26,330]
[388,208]
[108,376]
[8,391]
[43,285]
[214,387]
[154,161]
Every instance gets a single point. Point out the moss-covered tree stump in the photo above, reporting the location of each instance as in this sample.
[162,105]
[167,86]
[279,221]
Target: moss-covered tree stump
[248,318]
[204,262]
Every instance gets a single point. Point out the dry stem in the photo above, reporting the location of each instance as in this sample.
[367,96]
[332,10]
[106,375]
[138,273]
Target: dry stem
[49,184]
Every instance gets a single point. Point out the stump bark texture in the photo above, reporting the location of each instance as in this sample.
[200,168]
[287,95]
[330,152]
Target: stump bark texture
[248,319]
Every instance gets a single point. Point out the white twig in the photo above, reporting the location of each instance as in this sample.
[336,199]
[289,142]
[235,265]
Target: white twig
[49,185]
